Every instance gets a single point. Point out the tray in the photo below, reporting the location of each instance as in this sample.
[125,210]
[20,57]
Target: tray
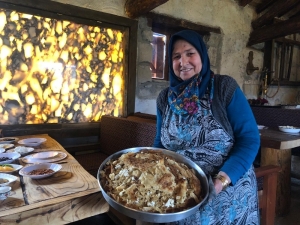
[157,217]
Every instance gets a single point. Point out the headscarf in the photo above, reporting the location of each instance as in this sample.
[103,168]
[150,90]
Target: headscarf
[184,96]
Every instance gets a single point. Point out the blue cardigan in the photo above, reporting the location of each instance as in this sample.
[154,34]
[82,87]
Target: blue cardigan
[245,134]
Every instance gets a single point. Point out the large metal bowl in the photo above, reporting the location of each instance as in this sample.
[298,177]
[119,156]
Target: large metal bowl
[157,217]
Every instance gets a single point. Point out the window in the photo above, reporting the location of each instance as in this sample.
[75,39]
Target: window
[158,56]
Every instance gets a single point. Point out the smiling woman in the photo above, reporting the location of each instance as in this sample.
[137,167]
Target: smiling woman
[186,60]
[196,117]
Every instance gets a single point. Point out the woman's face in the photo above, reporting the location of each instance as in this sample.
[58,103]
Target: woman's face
[186,60]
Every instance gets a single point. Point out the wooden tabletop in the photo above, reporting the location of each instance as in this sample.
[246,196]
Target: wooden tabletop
[69,195]
[272,138]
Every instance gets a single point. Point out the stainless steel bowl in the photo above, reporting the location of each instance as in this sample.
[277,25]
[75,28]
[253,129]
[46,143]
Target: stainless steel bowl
[157,217]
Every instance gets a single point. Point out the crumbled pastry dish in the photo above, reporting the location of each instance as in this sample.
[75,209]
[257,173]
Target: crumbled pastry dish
[151,181]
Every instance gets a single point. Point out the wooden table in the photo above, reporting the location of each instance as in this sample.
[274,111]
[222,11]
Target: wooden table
[276,150]
[69,195]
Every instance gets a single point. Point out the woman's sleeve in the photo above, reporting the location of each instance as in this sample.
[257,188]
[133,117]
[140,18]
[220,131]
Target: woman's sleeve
[246,134]
[157,140]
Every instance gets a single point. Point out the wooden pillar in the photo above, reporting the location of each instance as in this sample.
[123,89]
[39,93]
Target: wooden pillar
[282,158]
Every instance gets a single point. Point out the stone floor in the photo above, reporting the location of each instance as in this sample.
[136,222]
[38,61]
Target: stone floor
[293,218]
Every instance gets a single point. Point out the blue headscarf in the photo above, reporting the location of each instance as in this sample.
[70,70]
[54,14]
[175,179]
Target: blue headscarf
[184,96]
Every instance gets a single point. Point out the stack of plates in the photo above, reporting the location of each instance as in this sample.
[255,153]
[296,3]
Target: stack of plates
[44,157]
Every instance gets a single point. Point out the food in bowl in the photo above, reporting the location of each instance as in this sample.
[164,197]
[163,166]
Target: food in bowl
[41,172]
[7,179]
[23,150]
[3,180]
[151,181]
[6,168]
[5,158]
[8,157]
[10,168]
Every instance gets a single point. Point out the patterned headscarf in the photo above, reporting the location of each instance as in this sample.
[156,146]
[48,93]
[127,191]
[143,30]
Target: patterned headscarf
[184,96]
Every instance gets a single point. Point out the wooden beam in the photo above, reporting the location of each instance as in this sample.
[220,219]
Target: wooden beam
[295,11]
[159,21]
[136,8]
[264,5]
[277,9]
[273,31]
[243,3]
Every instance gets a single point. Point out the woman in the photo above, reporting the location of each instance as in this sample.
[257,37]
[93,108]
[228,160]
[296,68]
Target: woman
[207,118]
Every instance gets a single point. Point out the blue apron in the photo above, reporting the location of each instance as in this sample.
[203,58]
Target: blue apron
[202,139]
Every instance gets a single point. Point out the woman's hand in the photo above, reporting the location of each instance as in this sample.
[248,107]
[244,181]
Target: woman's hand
[218,183]
[218,186]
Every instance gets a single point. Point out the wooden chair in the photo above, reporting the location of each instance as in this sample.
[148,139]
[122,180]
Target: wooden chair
[267,196]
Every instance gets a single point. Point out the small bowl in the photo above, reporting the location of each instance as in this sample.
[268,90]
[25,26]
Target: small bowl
[11,179]
[23,150]
[32,142]
[15,167]
[12,155]
[6,146]
[260,127]
[8,140]
[4,192]
[26,170]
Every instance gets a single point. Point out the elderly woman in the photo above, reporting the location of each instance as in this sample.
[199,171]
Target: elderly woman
[206,117]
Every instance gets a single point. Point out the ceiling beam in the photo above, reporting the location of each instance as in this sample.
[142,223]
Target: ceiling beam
[136,8]
[277,9]
[162,22]
[273,31]
[293,12]
[243,3]
[265,4]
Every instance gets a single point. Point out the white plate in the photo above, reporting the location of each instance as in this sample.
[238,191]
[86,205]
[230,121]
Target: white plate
[6,146]
[260,127]
[15,166]
[45,155]
[289,129]
[32,142]
[22,150]
[11,179]
[26,170]
[12,155]
[7,140]
[30,159]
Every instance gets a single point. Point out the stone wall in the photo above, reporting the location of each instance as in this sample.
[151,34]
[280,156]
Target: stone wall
[228,51]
